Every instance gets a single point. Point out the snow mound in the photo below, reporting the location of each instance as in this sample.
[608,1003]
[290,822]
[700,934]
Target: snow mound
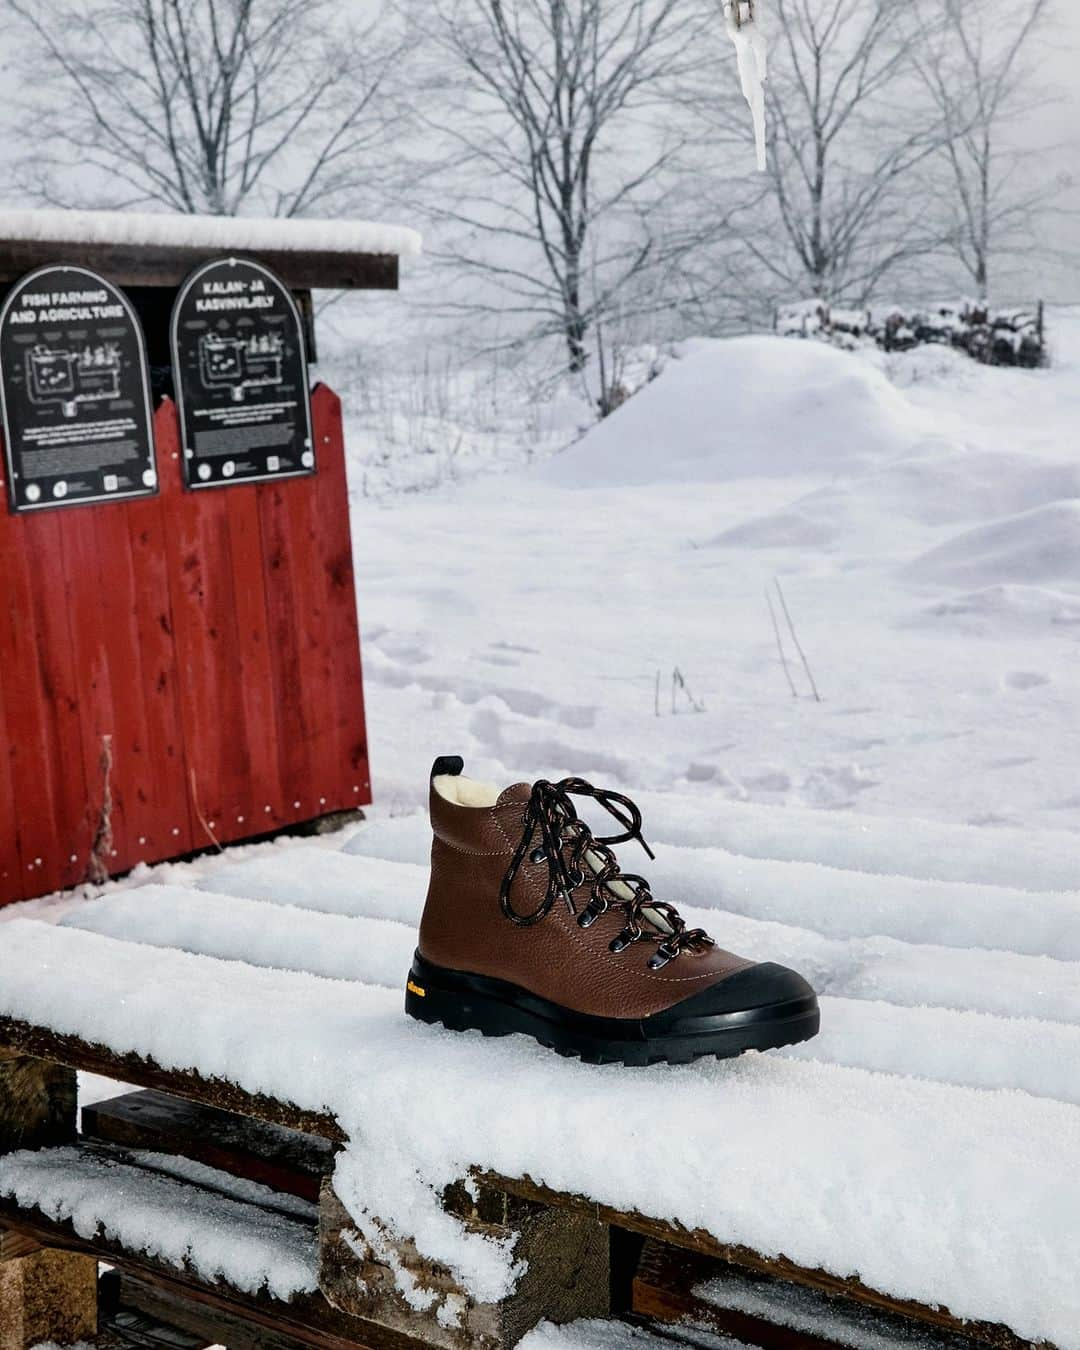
[998,609]
[1032,547]
[935,485]
[818,521]
[742,408]
[944,485]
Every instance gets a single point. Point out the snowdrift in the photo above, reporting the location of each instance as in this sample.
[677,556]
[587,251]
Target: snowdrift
[1030,547]
[745,407]
[934,483]
[1013,610]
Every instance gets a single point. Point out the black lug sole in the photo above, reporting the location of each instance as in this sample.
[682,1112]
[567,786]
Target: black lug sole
[465,1002]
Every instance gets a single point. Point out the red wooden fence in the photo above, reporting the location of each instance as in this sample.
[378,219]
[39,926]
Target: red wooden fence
[177,671]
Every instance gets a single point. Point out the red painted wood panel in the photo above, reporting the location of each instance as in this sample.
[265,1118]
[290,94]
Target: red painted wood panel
[11,871]
[88,549]
[164,820]
[255,664]
[204,610]
[349,770]
[282,515]
[43,707]
[212,636]
[121,624]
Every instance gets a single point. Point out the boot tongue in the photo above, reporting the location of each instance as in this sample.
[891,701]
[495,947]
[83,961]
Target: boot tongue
[517,794]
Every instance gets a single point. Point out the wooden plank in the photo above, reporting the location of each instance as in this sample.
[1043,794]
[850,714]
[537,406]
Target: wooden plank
[125,1328]
[11,868]
[13,1245]
[699,1241]
[148,763]
[204,611]
[348,771]
[164,818]
[563,1256]
[664,1291]
[22,1038]
[285,1160]
[37,1103]
[311,601]
[95,559]
[144,265]
[307,1319]
[287,544]
[42,706]
[253,662]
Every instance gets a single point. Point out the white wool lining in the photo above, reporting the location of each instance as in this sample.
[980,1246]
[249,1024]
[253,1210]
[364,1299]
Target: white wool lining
[463,791]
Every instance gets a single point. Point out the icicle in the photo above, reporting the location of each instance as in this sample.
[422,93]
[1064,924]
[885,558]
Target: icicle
[749,41]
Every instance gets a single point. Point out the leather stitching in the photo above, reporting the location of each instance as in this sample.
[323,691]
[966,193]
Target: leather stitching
[470,852]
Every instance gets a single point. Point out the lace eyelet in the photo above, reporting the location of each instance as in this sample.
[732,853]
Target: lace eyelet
[577,878]
[620,943]
[592,912]
[537,856]
[661,957]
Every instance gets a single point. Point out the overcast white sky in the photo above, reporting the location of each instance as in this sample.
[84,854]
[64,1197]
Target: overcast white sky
[1055,131]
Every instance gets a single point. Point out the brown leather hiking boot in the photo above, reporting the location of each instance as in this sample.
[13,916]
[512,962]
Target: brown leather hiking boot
[530,926]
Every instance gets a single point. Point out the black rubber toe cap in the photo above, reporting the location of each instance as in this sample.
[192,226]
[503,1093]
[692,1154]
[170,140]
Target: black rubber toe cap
[760,991]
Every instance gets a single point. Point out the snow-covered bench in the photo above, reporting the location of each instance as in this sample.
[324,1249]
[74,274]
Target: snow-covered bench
[479,1186]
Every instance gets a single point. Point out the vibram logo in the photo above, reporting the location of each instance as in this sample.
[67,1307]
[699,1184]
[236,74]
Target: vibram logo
[415,989]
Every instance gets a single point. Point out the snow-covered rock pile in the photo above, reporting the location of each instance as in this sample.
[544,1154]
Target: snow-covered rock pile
[1005,337]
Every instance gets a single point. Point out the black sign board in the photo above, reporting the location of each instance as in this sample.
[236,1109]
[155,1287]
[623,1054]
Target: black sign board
[241,376]
[74,392]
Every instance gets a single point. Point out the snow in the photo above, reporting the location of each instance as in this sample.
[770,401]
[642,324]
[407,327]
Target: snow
[910,842]
[352,1052]
[793,908]
[282,937]
[985,1030]
[812,1314]
[172,230]
[1033,546]
[317,879]
[726,411]
[594,1334]
[218,1237]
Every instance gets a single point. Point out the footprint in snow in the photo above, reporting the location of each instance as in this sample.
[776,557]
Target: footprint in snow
[1026,679]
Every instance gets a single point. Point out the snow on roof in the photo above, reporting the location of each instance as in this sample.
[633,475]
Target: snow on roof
[172,230]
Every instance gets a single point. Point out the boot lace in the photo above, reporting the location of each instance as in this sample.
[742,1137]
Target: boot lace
[554,833]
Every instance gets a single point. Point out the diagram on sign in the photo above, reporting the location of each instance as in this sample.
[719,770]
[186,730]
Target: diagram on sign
[240,375]
[240,364]
[75,408]
[60,375]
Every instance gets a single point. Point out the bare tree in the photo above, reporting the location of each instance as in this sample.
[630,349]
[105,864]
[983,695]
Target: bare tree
[981,86]
[561,143]
[847,125]
[208,106]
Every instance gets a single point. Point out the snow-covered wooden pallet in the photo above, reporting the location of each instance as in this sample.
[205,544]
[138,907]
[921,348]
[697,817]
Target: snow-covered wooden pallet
[780,1199]
[241,1251]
